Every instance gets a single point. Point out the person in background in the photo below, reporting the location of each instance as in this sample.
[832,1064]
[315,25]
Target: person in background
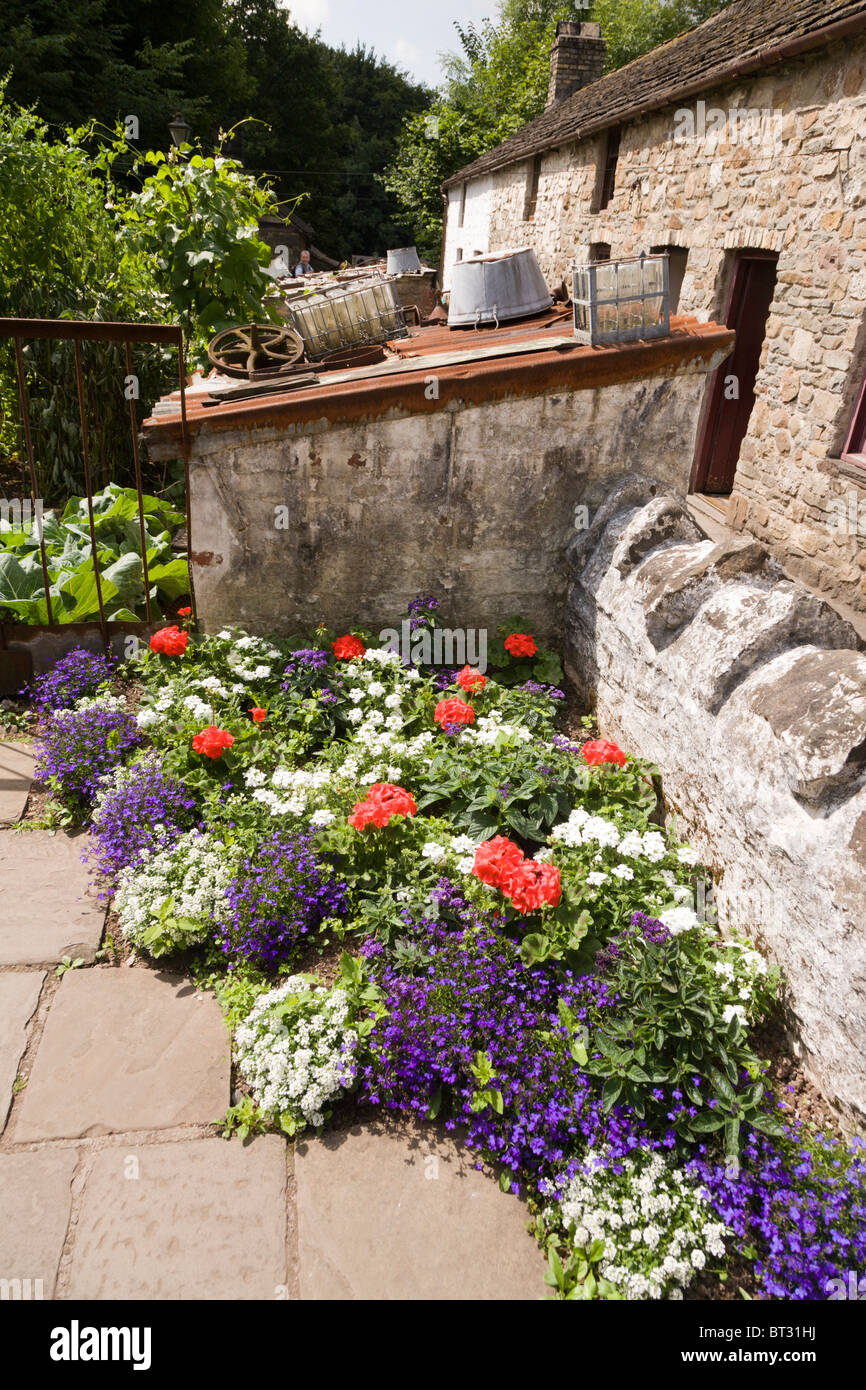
[303,267]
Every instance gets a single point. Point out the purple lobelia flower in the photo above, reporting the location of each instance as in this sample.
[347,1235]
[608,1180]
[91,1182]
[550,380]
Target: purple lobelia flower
[78,673]
[472,994]
[280,894]
[77,748]
[800,1201]
[139,809]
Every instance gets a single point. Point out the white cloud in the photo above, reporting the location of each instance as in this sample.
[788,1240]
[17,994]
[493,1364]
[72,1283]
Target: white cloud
[308,14]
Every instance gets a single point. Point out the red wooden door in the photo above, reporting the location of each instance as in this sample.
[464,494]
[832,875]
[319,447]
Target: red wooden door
[732,391]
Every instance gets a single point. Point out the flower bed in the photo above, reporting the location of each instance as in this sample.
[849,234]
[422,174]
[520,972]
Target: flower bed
[522,950]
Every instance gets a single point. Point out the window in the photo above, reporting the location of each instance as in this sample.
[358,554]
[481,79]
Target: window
[462,211]
[599,251]
[677,257]
[855,444]
[606,176]
[459,253]
[531,197]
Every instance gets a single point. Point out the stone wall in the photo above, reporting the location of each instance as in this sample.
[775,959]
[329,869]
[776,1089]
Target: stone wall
[749,692]
[791,180]
[473,501]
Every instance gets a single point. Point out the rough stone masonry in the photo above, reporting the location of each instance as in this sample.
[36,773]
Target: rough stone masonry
[750,693]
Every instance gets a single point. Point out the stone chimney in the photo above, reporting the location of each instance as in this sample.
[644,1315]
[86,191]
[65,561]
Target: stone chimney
[576,59]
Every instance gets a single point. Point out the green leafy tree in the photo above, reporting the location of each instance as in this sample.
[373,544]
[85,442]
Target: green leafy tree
[60,258]
[196,220]
[78,60]
[634,27]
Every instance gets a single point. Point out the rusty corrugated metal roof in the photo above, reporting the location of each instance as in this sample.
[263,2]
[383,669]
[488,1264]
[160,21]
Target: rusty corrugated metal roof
[473,380]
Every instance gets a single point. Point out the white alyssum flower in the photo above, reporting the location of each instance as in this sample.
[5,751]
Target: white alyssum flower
[646,1215]
[192,875]
[105,700]
[296,1049]
[322,818]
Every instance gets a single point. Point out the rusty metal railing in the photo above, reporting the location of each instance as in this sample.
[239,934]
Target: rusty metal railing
[78,331]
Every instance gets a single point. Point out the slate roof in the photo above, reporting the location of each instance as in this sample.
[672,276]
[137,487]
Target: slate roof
[746,37]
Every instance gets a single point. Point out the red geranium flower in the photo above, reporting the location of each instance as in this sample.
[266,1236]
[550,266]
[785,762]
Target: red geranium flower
[382,801]
[470,680]
[184,612]
[212,741]
[520,644]
[496,859]
[533,884]
[258,714]
[170,641]
[345,648]
[598,750]
[454,711]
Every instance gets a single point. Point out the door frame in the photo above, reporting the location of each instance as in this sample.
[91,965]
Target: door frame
[712,395]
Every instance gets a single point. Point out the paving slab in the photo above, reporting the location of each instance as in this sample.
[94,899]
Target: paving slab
[399,1212]
[200,1219]
[19,995]
[122,1050]
[35,1201]
[47,909]
[17,761]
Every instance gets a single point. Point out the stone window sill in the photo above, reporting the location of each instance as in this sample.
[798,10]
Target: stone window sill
[849,468]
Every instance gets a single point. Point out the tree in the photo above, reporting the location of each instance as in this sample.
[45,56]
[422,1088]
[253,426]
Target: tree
[634,27]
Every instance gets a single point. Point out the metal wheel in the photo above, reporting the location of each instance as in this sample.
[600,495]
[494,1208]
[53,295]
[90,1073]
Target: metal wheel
[255,347]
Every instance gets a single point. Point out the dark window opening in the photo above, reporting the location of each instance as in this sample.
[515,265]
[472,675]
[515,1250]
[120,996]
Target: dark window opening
[606,179]
[531,198]
[459,255]
[677,258]
[462,213]
[855,444]
[731,390]
[599,251]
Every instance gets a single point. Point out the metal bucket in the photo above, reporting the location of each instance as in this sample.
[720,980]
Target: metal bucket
[493,288]
[403,261]
[348,317]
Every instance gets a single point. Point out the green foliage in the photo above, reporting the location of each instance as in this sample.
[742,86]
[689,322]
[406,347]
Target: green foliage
[83,59]
[327,119]
[633,27]
[69,551]
[574,1278]
[67,963]
[60,258]
[244,1119]
[196,221]
[671,1029]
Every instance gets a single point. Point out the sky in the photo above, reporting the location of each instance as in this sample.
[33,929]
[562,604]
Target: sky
[403,31]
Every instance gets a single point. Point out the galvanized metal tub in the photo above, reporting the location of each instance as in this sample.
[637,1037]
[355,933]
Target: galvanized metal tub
[403,261]
[499,286]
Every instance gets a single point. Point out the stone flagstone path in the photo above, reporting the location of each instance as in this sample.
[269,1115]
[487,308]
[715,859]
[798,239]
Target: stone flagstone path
[113,1183]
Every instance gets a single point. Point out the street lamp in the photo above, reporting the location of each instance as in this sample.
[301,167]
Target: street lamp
[180,129]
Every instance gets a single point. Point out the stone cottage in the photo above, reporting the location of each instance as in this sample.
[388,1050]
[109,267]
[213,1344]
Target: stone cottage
[740,149]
